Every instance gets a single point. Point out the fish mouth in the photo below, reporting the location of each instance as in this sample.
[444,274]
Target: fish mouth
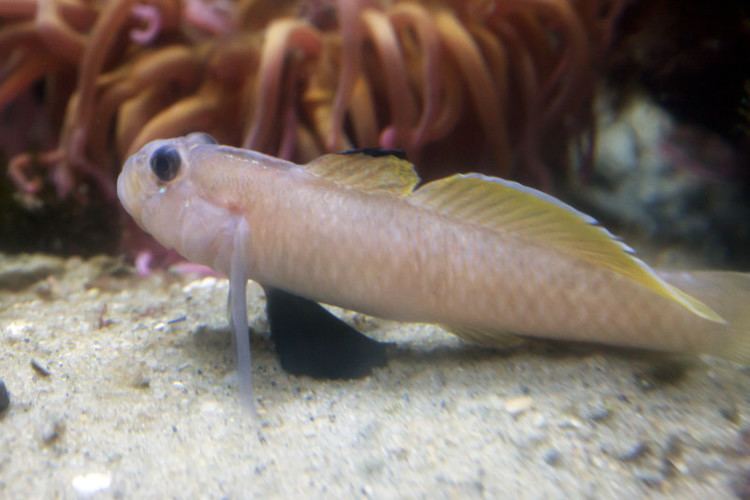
[129,188]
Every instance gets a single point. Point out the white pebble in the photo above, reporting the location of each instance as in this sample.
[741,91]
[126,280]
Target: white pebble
[93,482]
[16,331]
[516,406]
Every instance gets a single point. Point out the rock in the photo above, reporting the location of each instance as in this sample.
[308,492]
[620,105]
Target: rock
[730,413]
[4,397]
[516,406]
[19,272]
[596,413]
[552,457]
[635,452]
[86,485]
[741,485]
[52,431]
[40,369]
[671,182]
[631,454]
[649,478]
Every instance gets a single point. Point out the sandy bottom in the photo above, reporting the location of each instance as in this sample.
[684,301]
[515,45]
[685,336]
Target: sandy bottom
[124,387]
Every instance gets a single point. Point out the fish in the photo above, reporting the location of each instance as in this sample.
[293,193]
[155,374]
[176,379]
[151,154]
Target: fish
[487,258]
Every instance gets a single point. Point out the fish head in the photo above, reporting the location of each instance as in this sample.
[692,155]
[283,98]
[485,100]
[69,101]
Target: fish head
[160,188]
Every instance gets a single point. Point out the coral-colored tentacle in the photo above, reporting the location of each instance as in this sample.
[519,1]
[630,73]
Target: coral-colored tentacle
[350,29]
[451,106]
[150,16]
[175,65]
[405,16]
[108,26]
[17,8]
[290,121]
[363,115]
[281,36]
[481,88]
[192,114]
[400,97]
[27,71]
[57,36]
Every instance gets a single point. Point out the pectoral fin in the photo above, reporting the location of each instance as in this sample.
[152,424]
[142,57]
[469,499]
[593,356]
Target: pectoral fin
[311,341]
[238,312]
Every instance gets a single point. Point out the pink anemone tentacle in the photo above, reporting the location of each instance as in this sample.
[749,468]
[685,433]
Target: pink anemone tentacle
[413,16]
[282,36]
[403,112]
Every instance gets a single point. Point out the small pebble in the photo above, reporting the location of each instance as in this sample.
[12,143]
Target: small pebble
[649,478]
[516,406]
[596,413]
[20,272]
[552,457]
[52,431]
[671,456]
[39,369]
[91,483]
[668,373]
[730,413]
[4,397]
[634,453]
[741,485]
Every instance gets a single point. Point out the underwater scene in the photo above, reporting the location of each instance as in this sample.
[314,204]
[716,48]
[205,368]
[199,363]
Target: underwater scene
[374,249]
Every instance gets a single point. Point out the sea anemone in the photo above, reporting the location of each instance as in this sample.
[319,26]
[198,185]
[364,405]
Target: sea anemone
[495,85]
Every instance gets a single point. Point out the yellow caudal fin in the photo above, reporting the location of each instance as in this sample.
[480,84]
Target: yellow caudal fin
[728,294]
[372,171]
[513,209]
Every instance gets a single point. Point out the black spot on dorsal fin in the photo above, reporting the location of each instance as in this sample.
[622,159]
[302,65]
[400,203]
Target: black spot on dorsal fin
[376,152]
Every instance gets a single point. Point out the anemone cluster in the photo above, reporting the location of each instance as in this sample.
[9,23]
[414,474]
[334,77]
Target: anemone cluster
[485,84]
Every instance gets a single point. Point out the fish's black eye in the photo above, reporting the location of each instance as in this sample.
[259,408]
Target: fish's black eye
[165,163]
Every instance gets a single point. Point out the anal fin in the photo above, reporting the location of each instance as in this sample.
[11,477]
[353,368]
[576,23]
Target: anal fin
[496,339]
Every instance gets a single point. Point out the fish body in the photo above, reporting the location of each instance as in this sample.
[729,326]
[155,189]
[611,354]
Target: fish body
[482,256]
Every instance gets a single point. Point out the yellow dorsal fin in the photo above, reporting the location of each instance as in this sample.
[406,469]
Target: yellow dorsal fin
[511,208]
[380,173]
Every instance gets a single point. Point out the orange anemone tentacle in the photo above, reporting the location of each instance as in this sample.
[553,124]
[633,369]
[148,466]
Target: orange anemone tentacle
[413,16]
[282,35]
[403,112]
[468,58]
[26,71]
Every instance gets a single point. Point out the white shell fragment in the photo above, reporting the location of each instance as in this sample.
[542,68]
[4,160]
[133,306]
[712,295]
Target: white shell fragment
[92,482]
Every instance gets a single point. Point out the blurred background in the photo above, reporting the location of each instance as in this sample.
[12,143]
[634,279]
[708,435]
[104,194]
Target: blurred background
[635,111]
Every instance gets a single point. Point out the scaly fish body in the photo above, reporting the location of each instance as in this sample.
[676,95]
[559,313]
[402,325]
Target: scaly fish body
[480,255]
[383,256]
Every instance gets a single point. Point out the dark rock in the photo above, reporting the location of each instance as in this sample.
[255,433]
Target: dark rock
[39,369]
[18,273]
[52,431]
[673,449]
[4,397]
[668,373]
[552,457]
[741,485]
[730,413]
[649,478]
[596,413]
[634,453]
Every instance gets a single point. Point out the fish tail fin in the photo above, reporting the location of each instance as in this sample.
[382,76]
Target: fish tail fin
[727,293]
